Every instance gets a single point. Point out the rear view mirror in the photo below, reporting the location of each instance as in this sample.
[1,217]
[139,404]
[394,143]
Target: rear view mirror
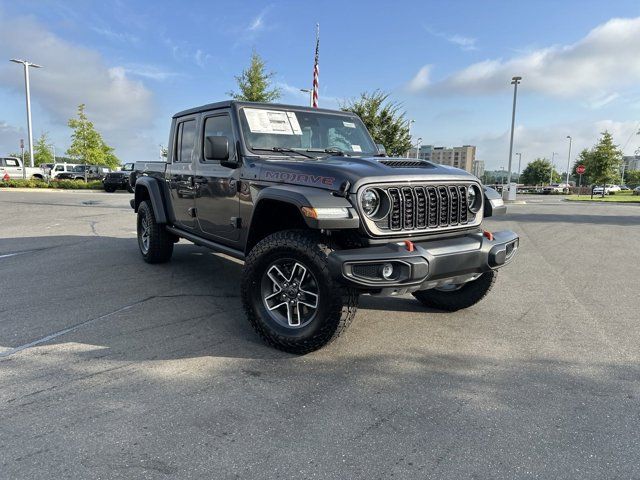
[216,148]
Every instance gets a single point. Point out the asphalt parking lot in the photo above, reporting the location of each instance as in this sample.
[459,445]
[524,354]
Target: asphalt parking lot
[112,368]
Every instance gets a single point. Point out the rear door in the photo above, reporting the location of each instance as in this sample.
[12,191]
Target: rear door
[217,201]
[181,171]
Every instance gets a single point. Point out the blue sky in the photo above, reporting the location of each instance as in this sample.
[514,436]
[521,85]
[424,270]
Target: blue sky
[134,64]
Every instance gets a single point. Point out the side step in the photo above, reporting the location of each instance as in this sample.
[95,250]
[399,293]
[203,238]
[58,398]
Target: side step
[203,242]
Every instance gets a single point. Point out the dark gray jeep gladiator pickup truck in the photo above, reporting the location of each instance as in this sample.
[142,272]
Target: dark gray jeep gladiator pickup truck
[319,215]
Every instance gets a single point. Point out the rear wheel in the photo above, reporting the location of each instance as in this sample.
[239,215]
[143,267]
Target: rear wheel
[156,244]
[457,297]
[289,296]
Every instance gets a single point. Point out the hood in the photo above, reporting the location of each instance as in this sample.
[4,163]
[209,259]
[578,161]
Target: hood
[331,172]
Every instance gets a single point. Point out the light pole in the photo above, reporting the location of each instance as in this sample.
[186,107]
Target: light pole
[568,161]
[519,163]
[409,123]
[553,157]
[28,94]
[514,81]
[418,143]
[310,92]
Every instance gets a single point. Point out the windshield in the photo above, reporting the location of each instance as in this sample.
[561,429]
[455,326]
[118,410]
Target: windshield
[305,131]
[128,167]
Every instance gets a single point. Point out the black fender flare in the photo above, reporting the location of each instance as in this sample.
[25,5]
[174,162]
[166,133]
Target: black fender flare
[152,186]
[300,196]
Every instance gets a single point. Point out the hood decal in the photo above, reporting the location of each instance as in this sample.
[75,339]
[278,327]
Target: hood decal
[304,178]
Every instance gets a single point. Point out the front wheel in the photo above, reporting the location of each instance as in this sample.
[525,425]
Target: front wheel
[456,297]
[290,298]
[156,244]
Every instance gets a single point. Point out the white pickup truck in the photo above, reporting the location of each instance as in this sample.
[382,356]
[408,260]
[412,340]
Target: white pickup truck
[11,168]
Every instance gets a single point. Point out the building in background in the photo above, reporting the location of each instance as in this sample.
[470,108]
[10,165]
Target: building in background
[478,168]
[424,154]
[459,157]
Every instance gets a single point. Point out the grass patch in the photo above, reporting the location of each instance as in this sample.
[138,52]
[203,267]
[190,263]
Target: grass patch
[625,197]
[60,184]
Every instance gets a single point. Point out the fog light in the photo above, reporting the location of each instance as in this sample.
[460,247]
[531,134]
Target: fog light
[387,271]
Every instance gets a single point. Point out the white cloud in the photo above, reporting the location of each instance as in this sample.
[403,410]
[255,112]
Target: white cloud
[465,43]
[116,36]
[10,138]
[534,142]
[604,60]
[72,75]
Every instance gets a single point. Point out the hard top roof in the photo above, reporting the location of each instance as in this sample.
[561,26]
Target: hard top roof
[230,103]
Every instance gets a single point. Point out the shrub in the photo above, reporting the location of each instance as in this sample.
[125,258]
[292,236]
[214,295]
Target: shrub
[62,184]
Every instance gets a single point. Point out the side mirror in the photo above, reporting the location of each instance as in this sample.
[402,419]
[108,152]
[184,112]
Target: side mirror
[381,149]
[216,148]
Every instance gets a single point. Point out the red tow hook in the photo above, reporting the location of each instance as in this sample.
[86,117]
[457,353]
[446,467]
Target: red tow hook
[487,234]
[409,244]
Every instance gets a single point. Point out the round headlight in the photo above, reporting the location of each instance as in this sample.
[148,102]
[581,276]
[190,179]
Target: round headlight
[370,202]
[473,198]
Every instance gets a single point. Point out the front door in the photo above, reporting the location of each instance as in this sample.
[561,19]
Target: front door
[217,200]
[181,171]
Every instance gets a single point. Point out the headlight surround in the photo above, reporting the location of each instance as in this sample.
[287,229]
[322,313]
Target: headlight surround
[474,198]
[370,202]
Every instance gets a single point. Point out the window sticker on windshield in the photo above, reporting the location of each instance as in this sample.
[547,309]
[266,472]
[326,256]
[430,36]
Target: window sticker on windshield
[349,124]
[272,121]
[356,148]
[295,126]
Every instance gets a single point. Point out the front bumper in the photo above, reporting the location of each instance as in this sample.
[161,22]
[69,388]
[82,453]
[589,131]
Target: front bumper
[431,264]
[116,182]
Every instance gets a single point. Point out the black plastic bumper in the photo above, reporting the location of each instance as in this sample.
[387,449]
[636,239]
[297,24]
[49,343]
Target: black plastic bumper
[429,261]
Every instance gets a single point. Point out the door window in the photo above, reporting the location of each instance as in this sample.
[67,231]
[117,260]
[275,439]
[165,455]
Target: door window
[219,126]
[11,162]
[186,141]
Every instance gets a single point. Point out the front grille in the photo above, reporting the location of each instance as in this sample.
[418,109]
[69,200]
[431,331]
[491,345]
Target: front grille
[425,207]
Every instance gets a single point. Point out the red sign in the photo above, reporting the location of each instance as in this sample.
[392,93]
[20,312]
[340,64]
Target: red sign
[580,169]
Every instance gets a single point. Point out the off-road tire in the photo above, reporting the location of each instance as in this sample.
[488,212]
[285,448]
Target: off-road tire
[130,189]
[468,295]
[160,242]
[337,305]
[109,189]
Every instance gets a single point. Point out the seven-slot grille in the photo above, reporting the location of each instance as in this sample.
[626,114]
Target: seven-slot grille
[426,207]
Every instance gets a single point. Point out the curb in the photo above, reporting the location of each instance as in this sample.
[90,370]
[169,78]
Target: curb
[57,190]
[600,202]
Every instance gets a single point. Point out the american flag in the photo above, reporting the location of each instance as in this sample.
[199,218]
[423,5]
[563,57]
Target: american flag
[316,68]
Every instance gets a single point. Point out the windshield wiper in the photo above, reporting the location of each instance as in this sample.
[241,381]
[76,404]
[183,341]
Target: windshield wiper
[284,150]
[333,150]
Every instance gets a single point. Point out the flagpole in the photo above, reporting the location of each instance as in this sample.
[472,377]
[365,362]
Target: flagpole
[316,69]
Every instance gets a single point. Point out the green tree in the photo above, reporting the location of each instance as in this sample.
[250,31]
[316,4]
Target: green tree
[384,119]
[632,178]
[87,145]
[538,172]
[41,151]
[602,162]
[254,83]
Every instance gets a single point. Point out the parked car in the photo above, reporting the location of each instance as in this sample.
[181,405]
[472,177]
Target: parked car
[555,188]
[624,188]
[12,168]
[118,179]
[608,189]
[93,172]
[59,168]
[319,215]
[636,191]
